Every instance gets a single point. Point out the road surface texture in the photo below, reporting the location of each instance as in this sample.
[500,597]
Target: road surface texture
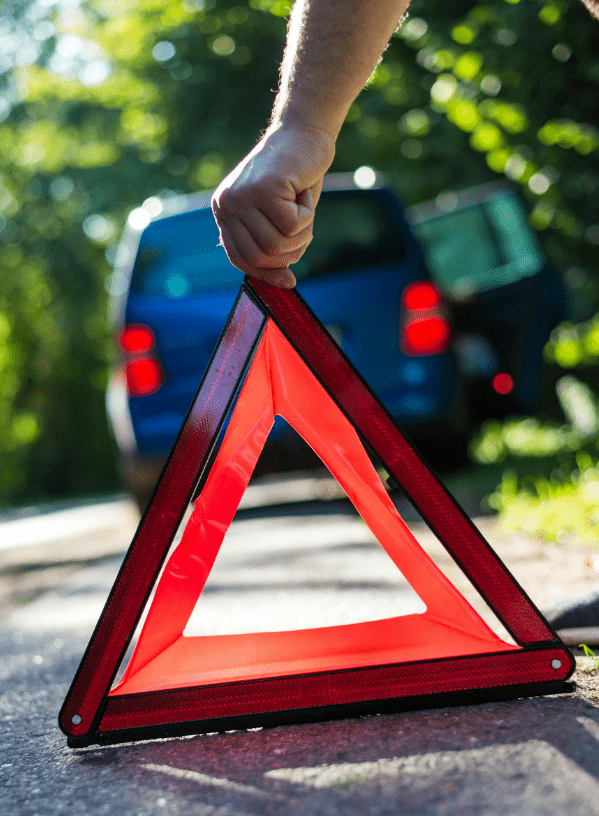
[305,565]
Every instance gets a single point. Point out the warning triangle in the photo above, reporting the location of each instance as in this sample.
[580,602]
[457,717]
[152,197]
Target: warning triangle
[173,684]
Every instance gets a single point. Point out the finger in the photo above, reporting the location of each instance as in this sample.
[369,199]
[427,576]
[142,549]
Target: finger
[288,216]
[251,251]
[282,276]
[305,202]
[270,240]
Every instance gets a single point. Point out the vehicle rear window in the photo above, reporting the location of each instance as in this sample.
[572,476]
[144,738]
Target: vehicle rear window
[352,230]
[180,256]
[480,247]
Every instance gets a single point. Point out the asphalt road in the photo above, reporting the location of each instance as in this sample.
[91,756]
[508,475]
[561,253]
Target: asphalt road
[314,564]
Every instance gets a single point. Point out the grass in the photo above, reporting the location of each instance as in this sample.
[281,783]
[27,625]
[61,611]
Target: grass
[555,511]
[550,475]
[591,654]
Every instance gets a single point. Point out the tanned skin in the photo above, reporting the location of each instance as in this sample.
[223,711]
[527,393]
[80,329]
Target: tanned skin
[593,7]
[265,207]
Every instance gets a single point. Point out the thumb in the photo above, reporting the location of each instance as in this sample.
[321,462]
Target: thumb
[305,204]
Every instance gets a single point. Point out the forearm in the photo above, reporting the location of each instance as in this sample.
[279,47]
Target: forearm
[332,48]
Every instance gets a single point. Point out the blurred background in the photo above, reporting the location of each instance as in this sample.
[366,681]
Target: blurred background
[106,104]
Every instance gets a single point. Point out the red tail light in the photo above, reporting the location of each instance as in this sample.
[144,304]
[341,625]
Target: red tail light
[428,335]
[424,327]
[136,339]
[143,371]
[144,376]
[421,296]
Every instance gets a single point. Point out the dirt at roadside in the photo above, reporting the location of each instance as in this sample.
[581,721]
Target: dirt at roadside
[586,678]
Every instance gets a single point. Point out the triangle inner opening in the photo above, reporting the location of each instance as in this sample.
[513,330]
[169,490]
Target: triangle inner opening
[170,655]
[300,573]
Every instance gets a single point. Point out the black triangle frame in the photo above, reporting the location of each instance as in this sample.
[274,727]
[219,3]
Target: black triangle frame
[542,664]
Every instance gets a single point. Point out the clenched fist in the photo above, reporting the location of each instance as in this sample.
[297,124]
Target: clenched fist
[265,207]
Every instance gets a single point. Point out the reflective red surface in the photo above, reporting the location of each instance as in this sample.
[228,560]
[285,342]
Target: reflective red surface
[336,688]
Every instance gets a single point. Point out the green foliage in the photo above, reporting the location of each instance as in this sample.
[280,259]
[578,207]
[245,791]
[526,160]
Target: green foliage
[574,345]
[559,497]
[527,437]
[127,99]
[508,76]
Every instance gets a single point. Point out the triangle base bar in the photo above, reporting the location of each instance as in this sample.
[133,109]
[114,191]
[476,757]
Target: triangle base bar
[325,713]
[329,695]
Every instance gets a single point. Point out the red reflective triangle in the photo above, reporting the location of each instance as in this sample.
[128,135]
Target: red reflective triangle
[174,684]
[280,383]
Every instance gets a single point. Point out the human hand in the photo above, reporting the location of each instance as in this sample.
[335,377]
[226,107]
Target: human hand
[265,207]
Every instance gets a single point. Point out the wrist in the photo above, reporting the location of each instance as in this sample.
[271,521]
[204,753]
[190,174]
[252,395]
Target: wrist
[299,118]
[298,137]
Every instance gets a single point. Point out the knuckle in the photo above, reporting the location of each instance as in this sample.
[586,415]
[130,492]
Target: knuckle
[222,200]
[225,200]
[306,237]
[271,246]
[307,221]
[298,248]
[289,229]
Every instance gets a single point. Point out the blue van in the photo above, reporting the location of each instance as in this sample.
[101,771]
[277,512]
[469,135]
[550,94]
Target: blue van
[364,275]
